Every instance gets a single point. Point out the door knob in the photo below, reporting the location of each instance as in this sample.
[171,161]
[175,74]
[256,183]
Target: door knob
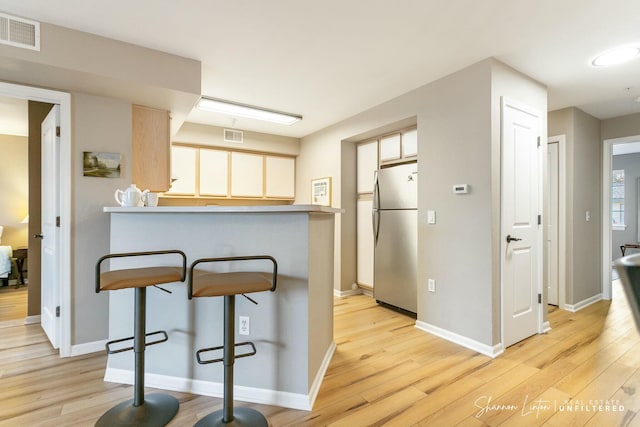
[38,236]
[512,239]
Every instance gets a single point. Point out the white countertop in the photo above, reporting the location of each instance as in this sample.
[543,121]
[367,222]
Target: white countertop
[226,209]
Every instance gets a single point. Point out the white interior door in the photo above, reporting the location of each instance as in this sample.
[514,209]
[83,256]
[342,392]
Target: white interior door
[520,231]
[551,223]
[50,280]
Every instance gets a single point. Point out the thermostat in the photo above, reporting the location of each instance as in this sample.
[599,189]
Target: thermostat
[461,189]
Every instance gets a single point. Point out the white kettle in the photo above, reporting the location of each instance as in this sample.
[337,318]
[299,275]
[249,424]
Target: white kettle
[131,197]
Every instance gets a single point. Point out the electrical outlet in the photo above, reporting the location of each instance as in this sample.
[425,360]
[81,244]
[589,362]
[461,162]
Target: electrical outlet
[245,325]
[431,285]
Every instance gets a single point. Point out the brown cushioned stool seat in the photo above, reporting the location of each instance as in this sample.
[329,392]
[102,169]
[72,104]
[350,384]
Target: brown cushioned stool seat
[154,409]
[211,284]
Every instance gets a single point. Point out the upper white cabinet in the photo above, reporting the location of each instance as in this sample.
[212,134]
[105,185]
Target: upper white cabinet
[183,170]
[214,172]
[390,148]
[280,177]
[410,143]
[204,172]
[367,163]
[246,175]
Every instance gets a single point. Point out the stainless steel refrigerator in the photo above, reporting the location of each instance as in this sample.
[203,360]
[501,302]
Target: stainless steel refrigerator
[395,234]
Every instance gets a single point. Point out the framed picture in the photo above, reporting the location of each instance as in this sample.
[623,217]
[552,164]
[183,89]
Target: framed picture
[101,165]
[321,191]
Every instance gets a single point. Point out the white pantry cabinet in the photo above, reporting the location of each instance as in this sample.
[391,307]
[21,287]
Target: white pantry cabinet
[365,243]
[183,170]
[247,175]
[214,172]
[367,163]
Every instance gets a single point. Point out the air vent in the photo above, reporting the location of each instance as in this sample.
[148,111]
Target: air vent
[19,32]
[233,136]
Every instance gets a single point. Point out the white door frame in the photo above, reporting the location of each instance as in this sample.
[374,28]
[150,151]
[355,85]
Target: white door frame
[607,170]
[64,100]
[561,140]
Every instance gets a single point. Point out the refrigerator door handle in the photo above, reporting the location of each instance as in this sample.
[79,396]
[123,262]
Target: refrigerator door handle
[375,221]
[375,213]
[376,192]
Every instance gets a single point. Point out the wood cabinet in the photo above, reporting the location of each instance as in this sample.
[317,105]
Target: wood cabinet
[214,172]
[247,175]
[365,243]
[399,147]
[367,163]
[150,148]
[203,173]
[280,175]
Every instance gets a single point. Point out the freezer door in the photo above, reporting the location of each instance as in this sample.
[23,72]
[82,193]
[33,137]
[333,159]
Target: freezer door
[396,187]
[395,259]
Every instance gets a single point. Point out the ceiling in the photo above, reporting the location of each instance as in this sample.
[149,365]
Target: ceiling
[331,59]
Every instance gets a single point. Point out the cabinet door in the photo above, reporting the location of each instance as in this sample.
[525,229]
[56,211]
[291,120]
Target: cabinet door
[280,177]
[246,175]
[390,148]
[365,243]
[410,143]
[150,148]
[214,172]
[183,170]
[367,163]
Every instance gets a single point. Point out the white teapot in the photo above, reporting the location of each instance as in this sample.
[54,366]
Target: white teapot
[131,197]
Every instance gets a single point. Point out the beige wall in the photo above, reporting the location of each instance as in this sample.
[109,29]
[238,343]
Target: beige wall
[14,190]
[195,133]
[105,77]
[458,142]
[583,193]
[620,127]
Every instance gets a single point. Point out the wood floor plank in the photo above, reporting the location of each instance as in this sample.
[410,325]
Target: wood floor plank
[384,372]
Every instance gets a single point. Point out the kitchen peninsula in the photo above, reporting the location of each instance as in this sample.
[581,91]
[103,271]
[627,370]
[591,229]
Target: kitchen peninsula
[292,327]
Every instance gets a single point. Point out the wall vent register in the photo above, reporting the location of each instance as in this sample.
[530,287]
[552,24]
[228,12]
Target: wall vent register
[19,32]
[233,136]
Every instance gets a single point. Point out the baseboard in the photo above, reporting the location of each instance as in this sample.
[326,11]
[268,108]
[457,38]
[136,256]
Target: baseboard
[88,348]
[241,393]
[341,294]
[32,320]
[317,382]
[546,327]
[474,345]
[582,304]
[213,389]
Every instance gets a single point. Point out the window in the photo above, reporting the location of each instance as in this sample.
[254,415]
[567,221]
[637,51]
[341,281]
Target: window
[617,200]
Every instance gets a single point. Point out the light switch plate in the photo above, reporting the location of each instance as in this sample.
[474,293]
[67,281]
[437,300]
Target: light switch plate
[431,217]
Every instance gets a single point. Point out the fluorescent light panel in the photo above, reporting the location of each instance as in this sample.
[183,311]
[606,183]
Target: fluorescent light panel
[616,56]
[248,111]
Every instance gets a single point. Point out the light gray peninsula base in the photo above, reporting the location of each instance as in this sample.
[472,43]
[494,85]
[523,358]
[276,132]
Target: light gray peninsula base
[292,327]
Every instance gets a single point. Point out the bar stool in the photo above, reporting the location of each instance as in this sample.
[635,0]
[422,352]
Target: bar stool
[154,409]
[210,284]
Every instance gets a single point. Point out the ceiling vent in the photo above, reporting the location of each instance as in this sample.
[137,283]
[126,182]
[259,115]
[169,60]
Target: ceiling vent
[19,32]
[233,136]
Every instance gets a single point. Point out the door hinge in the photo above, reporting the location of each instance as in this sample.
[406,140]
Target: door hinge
[538,142]
[58,311]
[539,298]
[58,131]
[58,221]
[539,219]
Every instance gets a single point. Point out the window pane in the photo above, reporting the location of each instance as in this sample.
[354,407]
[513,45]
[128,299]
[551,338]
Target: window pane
[617,197]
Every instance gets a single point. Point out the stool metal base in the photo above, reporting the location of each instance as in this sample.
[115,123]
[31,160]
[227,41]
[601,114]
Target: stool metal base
[242,416]
[157,410]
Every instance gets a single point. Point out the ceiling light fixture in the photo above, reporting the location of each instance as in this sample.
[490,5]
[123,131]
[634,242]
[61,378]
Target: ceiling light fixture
[243,110]
[616,56]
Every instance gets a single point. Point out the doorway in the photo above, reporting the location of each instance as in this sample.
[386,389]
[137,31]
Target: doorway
[555,221]
[63,277]
[623,219]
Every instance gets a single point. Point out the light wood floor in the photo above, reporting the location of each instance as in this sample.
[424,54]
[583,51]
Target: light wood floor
[13,303]
[384,372]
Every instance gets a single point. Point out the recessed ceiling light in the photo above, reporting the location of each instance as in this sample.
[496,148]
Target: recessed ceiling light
[243,110]
[615,56]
